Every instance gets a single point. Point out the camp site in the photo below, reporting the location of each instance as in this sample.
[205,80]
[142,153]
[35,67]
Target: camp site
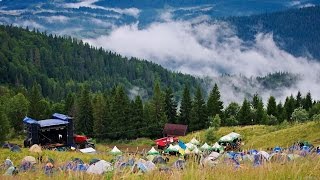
[45,154]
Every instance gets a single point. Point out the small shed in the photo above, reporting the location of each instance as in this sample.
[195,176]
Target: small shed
[174,129]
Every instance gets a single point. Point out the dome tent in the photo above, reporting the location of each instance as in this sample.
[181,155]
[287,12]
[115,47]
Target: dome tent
[115,151]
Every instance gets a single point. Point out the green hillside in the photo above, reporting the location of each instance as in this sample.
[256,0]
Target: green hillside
[61,65]
[262,136]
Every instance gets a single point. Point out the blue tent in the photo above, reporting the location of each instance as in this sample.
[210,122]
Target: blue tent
[15,148]
[253,151]
[277,149]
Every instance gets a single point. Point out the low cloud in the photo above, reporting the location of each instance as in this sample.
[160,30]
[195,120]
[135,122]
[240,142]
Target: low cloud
[57,19]
[209,50]
[91,4]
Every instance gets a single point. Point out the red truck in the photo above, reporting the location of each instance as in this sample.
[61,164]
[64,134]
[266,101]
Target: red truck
[164,142]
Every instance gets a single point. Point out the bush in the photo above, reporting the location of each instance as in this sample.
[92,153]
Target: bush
[316,117]
[216,121]
[210,135]
[300,115]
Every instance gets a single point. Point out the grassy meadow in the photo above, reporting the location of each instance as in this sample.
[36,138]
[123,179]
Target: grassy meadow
[254,137]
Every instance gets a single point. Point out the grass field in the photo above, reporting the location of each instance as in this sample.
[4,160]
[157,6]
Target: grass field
[254,137]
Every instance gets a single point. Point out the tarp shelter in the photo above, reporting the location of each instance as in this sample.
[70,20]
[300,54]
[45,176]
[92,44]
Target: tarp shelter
[89,150]
[205,147]
[35,148]
[100,167]
[229,137]
[115,151]
[15,148]
[174,129]
[194,141]
[153,152]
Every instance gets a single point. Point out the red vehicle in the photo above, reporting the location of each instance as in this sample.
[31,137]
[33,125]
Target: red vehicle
[164,142]
[82,141]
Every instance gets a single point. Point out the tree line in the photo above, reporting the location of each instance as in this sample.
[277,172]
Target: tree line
[113,115]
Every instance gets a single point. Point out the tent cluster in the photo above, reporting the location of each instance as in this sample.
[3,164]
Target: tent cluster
[193,147]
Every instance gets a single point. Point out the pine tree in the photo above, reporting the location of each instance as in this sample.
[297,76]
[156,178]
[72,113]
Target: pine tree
[255,101]
[170,106]
[158,114]
[214,104]
[281,113]
[138,117]
[99,109]
[289,107]
[69,107]
[272,106]
[84,116]
[120,114]
[260,114]
[307,103]
[35,97]
[298,100]
[199,117]
[186,106]
[231,114]
[245,114]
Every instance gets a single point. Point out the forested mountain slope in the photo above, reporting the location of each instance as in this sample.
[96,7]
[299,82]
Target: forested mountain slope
[62,64]
[296,30]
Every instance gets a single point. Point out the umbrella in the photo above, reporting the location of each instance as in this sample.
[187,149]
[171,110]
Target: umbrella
[30,159]
[35,148]
[100,167]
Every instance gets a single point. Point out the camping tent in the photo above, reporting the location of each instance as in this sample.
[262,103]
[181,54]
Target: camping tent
[190,146]
[194,141]
[195,151]
[35,148]
[205,147]
[89,150]
[153,152]
[100,167]
[115,151]
[229,137]
[172,148]
[15,148]
[217,147]
[30,159]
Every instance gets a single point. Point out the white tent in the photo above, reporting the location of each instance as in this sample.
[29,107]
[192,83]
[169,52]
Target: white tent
[216,146]
[100,167]
[115,151]
[89,150]
[194,141]
[264,154]
[176,147]
[190,146]
[153,151]
[195,151]
[205,147]
[229,137]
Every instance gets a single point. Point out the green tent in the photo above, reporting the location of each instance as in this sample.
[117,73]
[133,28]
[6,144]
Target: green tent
[153,152]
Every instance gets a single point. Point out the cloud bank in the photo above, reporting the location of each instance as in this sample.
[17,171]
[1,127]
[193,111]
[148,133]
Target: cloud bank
[211,49]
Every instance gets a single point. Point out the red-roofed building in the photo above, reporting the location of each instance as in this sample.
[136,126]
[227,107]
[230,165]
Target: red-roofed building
[174,130]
